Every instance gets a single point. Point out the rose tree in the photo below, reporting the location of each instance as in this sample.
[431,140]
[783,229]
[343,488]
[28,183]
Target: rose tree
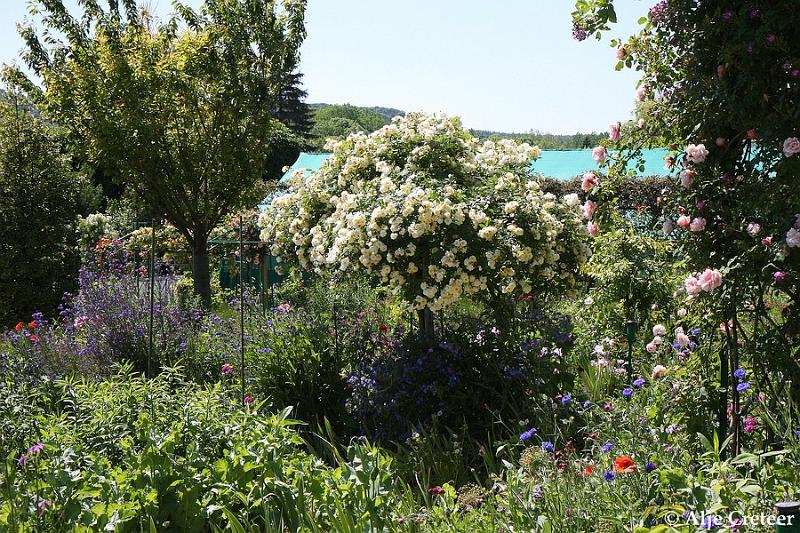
[434,213]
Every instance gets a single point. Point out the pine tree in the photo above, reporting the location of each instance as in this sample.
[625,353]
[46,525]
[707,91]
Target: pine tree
[291,108]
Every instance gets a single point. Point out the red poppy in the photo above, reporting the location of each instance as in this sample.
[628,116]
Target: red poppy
[33,338]
[624,464]
[32,325]
[589,470]
[384,328]
[19,326]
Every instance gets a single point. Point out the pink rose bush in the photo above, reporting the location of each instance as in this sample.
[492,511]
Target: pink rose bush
[614,131]
[697,224]
[707,281]
[589,182]
[599,155]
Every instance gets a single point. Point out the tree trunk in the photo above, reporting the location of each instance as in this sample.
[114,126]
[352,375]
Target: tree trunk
[201,273]
[426,329]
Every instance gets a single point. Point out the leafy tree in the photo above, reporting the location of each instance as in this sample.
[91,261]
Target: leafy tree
[291,109]
[39,203]
[342,120]
[178,110]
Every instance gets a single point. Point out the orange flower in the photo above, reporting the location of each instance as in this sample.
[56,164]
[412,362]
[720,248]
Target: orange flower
[32,325]
[589,470]
[19,326]
[624,464]
[33,338]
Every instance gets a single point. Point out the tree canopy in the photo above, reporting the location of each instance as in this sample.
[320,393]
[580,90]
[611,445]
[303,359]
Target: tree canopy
[180,110]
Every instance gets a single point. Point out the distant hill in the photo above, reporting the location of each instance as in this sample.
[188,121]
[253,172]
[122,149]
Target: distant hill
[336,120]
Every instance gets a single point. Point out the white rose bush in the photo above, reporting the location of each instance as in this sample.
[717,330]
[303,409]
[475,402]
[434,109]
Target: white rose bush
[432,212]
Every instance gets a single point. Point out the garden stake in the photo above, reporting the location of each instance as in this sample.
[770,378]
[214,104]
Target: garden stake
[630,335]
[152,295]
[241,302]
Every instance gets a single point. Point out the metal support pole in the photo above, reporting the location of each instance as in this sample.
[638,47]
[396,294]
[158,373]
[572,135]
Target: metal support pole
[241,301]
[148,371]
[630,335]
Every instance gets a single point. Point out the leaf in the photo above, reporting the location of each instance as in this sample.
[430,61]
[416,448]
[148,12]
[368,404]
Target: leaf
[236,526]
[153,526]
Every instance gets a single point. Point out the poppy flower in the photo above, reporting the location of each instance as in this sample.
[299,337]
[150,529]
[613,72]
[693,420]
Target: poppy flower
[589,470]
[624,464]
[384,328]
[32,325]
[33,338]
[19,326]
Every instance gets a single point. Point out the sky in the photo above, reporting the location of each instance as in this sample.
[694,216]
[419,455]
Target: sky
[502,65]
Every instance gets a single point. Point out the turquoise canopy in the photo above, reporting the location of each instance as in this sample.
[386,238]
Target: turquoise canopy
[308,162]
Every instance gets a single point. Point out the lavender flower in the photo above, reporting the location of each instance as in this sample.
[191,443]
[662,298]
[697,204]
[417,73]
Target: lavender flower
[527,435]
[548,446]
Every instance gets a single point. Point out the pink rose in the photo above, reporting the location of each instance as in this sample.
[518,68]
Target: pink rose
[791,146]
[753,229]
[698,224]
[692,286]
[793,238]
[767,241]
[687,178]
[721,141]
[651,348]
[641,123]
[588,209]
[710,280]
[684,221]
[592,228]
[614,131]
[621,53]
[599,155]
[669,162]
[641,94]
[589,181]
[696,153]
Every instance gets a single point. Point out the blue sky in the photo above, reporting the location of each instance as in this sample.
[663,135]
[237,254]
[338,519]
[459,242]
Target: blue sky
[506,65]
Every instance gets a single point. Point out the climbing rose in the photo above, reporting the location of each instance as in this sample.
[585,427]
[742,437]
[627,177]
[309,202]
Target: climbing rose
[753,229]
[696,153]
[658,371]
[614,131]
[588,209]
[791,146]
[599,155]
[710,280]
[651,347]
[589,181]
[592,228]
[692,286]
[684,221]
[793,238]
[687,178]
[698,224]
[659,330]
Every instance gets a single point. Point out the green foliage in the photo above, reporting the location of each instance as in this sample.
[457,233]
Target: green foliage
[39,206]
[339,121]
[178,110]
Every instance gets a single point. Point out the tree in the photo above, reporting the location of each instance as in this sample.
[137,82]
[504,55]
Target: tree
[178,110]
[38,214]
[434,213]
[291,109]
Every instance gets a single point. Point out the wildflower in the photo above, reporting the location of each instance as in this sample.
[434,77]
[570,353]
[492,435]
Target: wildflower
[547,446]
[649,467]
[607,407]
[384,328]
[566,399]
[607,447]
[586,404]
[19,327]
[527,435]
[609,476]
[436,491]
[740,373]
[750,424]
[741,387]
[43,505]
[248,400]
[624,464]
[227,369]
[778,276]
[670,429]
[639,383]
[34,338]
[538,492]
[36,448]
[32,325]
[627,392]
[589,470]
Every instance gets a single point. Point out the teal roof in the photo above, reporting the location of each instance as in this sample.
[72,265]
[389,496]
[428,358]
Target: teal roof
[558,164]
[308,162]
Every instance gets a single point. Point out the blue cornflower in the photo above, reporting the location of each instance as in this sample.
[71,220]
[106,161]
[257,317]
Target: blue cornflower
[649,467]
[607,446]
[548,446]
[694,332]
[797,433]
[566,399]
[740,373]
[609,476]
[639,383]
[527,435]
[741,387]
[586,404]
[627,392]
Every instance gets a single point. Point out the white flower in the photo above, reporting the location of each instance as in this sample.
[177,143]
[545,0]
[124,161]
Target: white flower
[793,238]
